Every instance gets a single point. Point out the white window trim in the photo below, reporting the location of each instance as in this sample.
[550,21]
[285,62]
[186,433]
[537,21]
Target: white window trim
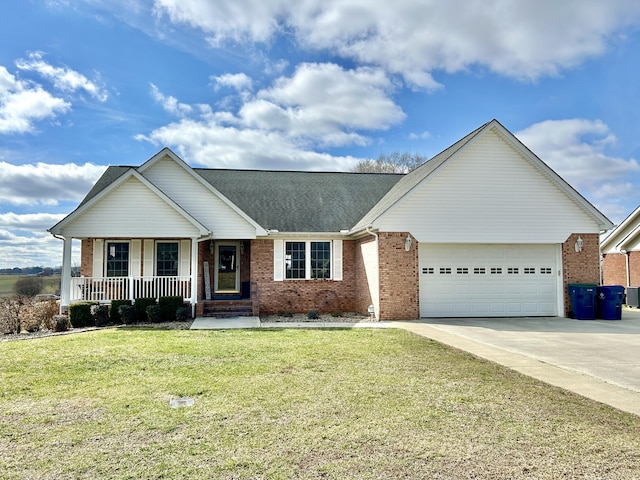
[280,267]
[106,256]
[155,255]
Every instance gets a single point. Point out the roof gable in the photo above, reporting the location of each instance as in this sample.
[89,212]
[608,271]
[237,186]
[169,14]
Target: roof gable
[430,170]
[108,211]
[625,236]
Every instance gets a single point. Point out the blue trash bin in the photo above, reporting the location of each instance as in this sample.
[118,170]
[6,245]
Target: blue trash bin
[583,300]
[609,302]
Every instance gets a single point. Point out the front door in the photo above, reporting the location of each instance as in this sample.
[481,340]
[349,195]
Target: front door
[227,271]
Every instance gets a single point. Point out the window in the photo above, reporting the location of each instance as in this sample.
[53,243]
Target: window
[512,270]
[462,270]
[479,270]
[428,270]
[445,270]
[295,260]
[496,270]
[321,260]
[545,270]
[529,270]
[117,259]
[167,259]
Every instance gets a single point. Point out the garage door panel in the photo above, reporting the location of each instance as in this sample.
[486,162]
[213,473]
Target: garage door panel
[487,280]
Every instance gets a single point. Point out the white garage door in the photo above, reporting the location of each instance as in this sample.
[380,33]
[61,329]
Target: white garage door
[458,280]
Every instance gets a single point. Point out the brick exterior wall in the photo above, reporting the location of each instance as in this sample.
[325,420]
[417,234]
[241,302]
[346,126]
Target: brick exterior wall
[300,296]
[86,257]
[580,267]
[614,269]
[399,282]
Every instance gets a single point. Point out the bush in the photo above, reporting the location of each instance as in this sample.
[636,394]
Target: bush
[29,319]
[61,323]
[154,314]
[28,286]
[337,314]
[287,314]
[141,305]
[10,315]
[169,306]
[183,314]
[313,315]
[100,314]
[114,311]
[80,315]
[127,313]
[46,311]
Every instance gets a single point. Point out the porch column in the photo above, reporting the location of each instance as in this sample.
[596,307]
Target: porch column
[194,275]
[65,282]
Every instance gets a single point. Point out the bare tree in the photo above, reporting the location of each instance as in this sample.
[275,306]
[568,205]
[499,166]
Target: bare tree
[395,162]
[28,286]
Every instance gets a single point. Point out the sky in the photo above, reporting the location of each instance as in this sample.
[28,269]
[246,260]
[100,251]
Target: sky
[304,85]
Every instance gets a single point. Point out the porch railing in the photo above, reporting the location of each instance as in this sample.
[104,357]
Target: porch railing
[105,289]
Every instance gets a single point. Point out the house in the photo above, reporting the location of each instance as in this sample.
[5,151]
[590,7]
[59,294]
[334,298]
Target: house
[621,253]
[485,228]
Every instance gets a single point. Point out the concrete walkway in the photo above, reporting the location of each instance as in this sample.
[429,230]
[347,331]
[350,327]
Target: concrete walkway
[597,359]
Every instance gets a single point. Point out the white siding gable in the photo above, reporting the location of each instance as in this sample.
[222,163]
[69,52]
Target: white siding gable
[488,193]
[198,200]
[131,210]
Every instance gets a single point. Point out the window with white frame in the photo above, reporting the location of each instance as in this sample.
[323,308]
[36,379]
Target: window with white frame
[167,257]
[306,260]
[117,259]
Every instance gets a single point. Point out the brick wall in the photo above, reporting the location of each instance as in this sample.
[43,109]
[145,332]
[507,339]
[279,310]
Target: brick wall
[399,288]
[300,296]
[614,269]
[580,267]
[86,257]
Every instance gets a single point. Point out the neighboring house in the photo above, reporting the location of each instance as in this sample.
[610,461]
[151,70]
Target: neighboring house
[484,228]
[621,253]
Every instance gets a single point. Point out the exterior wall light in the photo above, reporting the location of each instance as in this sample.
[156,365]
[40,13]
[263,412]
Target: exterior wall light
[407,243]
[579,243]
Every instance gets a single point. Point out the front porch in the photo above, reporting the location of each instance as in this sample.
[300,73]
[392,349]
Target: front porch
[105,289]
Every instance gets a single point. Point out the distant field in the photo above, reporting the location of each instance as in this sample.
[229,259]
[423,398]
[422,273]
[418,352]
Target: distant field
[51,284]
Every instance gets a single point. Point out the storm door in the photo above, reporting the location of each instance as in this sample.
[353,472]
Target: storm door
[227,271]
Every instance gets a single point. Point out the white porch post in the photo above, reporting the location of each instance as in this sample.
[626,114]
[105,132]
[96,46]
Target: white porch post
[65,282]
[194,275]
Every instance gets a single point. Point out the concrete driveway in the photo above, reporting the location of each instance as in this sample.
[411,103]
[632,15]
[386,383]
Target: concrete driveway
[599,359]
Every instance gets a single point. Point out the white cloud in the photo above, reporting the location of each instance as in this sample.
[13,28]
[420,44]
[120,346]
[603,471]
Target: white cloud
[524,39]
[37,222]
[238,81]
[575,149]
[23,103]
[46,184]
[319,105]
[169,103]
[64,79]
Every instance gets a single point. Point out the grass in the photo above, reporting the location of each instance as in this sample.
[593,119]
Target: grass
[51,284]
[291,404]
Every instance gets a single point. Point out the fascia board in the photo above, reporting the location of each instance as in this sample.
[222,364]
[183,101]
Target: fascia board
[609,241]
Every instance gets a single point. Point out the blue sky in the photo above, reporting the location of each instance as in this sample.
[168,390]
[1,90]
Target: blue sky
[313,85]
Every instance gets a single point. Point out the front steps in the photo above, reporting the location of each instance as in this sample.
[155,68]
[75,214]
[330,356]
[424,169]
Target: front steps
[227,308]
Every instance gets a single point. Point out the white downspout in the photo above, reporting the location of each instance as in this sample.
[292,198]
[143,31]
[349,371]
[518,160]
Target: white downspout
[626,257]
[376,304]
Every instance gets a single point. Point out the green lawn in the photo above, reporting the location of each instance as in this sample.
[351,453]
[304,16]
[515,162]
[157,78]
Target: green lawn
[51,284]
[291,404]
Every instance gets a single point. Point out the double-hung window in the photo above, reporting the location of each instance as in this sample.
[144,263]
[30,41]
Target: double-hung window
[117,259]
[167,259]
[307,260]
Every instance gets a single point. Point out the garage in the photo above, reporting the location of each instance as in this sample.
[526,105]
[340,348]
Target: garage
[488,280]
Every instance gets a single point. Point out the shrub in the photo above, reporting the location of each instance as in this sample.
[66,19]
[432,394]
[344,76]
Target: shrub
[29,319]
[127,313]
[61,323]
[337,314]
[46,311]
[183,314]
[154,314]
[10,315]
[287,314]
[80,315]
[28,286]
[100,314]
[169,306]
[114,311]
[313,315]
[141,305]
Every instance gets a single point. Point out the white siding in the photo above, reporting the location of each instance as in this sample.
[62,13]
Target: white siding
[199,201]
[131,210]
[369,252]
[488,194]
